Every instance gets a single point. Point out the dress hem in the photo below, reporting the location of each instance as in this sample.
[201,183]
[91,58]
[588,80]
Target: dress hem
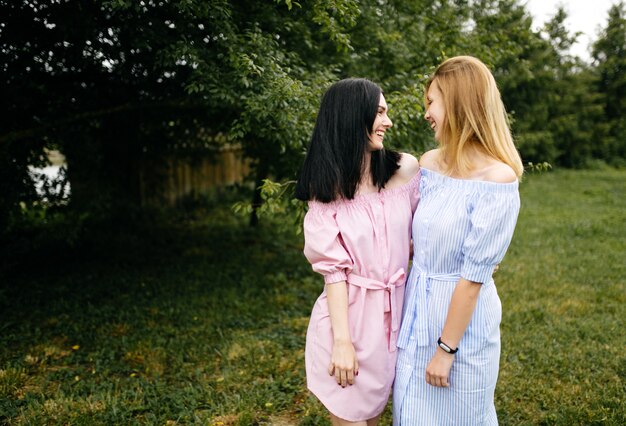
[334,412]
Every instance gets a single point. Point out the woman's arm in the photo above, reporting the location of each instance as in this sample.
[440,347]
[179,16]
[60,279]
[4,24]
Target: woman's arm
[460,313]
[343,364]
[493,220]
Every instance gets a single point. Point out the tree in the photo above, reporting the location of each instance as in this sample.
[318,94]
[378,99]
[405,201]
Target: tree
[112,83]
[116,84]
[95,82]
[609,54]
[574,106]
[549,94]
[520,58]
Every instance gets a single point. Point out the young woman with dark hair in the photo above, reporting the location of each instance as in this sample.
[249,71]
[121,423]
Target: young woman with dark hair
[357,235]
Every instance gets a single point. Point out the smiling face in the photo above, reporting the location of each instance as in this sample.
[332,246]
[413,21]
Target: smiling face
[435,110]
[381,124]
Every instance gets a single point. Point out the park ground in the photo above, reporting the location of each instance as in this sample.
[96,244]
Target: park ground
[204,321]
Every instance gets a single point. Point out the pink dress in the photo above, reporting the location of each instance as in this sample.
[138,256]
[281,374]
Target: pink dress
[364,241]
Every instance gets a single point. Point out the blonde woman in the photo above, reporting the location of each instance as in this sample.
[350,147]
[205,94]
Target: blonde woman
[449,341]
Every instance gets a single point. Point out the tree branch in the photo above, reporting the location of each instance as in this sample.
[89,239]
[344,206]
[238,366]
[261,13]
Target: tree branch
[34,131]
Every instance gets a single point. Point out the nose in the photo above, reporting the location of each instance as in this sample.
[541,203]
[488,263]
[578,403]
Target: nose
[427,115]
[388,122]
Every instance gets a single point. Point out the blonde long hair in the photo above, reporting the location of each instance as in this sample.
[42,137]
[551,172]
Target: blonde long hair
[475,115]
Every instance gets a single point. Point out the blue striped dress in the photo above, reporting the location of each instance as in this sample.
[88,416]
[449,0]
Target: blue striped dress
[461,228]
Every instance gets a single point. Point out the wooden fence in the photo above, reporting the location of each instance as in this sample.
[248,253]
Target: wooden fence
[182,177]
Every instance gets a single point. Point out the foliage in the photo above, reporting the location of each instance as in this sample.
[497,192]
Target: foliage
[119,85]
[539,167]
[548,93]
[609,53]
[278,203]
[203,322]
[575,111]
[114,83]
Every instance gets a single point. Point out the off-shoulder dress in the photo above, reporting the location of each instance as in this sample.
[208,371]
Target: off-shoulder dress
[365,242]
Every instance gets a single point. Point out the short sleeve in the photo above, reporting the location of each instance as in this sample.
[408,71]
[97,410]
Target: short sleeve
[492,220]
[323,245]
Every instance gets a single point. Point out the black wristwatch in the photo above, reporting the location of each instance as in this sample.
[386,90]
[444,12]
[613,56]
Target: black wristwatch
[446,347]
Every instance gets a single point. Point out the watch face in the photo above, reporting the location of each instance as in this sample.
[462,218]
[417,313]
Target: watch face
[445,347]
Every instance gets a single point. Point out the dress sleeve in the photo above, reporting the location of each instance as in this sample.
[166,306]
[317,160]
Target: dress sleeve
[492,220]
[414,193]
[323,245]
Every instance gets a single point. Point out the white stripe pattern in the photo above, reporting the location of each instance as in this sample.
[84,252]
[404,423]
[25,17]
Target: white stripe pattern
[461,228]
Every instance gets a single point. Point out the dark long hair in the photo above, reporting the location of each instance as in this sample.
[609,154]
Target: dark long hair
[334,161]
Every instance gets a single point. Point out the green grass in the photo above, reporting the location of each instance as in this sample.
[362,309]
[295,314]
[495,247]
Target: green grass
[204,321]
[563,292]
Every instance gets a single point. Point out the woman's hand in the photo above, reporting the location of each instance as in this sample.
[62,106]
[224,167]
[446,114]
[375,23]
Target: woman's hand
[343,364]
[438,370]
[460,313]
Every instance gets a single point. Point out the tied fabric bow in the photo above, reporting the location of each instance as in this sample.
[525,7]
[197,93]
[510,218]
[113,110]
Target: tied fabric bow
[415,325]
[390,287]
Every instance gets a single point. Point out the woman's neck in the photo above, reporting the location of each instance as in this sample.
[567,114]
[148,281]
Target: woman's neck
[365,184]
[365,167]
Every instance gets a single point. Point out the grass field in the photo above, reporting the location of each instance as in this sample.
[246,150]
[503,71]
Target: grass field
[204,321]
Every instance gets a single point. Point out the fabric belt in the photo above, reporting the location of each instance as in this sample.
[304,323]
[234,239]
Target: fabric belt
[415,323]
[390,287]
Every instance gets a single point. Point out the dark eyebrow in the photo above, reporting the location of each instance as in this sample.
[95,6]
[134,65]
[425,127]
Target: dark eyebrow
[383,107]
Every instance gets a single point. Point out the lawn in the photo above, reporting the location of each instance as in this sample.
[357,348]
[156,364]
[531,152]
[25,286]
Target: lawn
[203,322]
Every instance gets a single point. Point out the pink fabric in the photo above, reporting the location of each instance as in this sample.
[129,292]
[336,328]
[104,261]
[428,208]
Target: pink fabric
[364,241]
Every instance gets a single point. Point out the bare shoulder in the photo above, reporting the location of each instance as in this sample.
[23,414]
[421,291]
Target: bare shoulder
[500,173]
[409,166]
[430,160]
